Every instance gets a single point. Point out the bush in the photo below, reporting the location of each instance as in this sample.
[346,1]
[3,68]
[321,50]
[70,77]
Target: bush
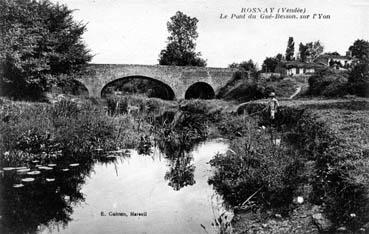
[329,83]
[358,81]
[333,188]
[41,130]
[256,164]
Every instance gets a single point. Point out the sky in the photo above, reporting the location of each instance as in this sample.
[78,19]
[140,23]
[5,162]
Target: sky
[134,31]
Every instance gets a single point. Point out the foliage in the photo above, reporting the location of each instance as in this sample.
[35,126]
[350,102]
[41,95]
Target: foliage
[358,81]
[237,77]
[255,164]
[180,50]
[332,184]
[270,64]
[245,90]
[360,49]
[119,104]
[310,50]
[40,41]
[303,52]
[329,83]
[138,86]
[290,51]
[279,57]
[245,66]
[41,130]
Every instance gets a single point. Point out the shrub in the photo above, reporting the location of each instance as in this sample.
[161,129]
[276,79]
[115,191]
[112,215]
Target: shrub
[358,81]
[333,187]
[40,129]
[256,164]
[329,83]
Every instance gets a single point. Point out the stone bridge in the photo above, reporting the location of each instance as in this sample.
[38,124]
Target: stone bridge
[177,79]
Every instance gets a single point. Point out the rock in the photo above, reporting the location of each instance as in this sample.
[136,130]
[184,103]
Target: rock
[341,229]
[322,222]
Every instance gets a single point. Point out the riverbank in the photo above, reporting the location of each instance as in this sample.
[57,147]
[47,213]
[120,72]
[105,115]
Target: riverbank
[331,136]
[305,172]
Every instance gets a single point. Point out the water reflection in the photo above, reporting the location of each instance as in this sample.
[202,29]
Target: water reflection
[47,198]
[177,150]
[181,171]
[111,182]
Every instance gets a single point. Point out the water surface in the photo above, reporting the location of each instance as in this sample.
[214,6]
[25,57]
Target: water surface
[168,195]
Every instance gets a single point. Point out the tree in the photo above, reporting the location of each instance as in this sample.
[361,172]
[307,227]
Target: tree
[290,51]
[358,81]
[315,49]
[180,50]
[303,49]
[310,51]
[246,66]
[40,43]
[279,57]
[270,64]
[360,49]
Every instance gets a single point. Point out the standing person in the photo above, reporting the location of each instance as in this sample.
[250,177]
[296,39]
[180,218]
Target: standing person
[273,104]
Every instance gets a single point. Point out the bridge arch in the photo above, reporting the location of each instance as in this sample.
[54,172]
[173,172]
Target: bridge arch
[200,90]
[165,92]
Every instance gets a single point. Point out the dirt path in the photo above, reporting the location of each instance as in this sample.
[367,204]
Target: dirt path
[298,90]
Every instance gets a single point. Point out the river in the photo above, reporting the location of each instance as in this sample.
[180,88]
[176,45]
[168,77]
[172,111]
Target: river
[131,194]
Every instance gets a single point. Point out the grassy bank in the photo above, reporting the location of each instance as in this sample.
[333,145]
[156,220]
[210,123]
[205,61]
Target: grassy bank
[65,129]
[329,139]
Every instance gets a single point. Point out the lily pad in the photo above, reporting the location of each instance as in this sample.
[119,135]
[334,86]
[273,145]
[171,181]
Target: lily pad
[65,169]
[45,168]
[29,179]
[52,165]
[74,165]
[35,161]
[23,170]
[8,168]
[33,173]
[50,179]
[18,185]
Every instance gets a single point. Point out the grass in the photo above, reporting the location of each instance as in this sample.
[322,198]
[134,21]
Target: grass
[40,130]
[255,166]
[332,136]
[243,89]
